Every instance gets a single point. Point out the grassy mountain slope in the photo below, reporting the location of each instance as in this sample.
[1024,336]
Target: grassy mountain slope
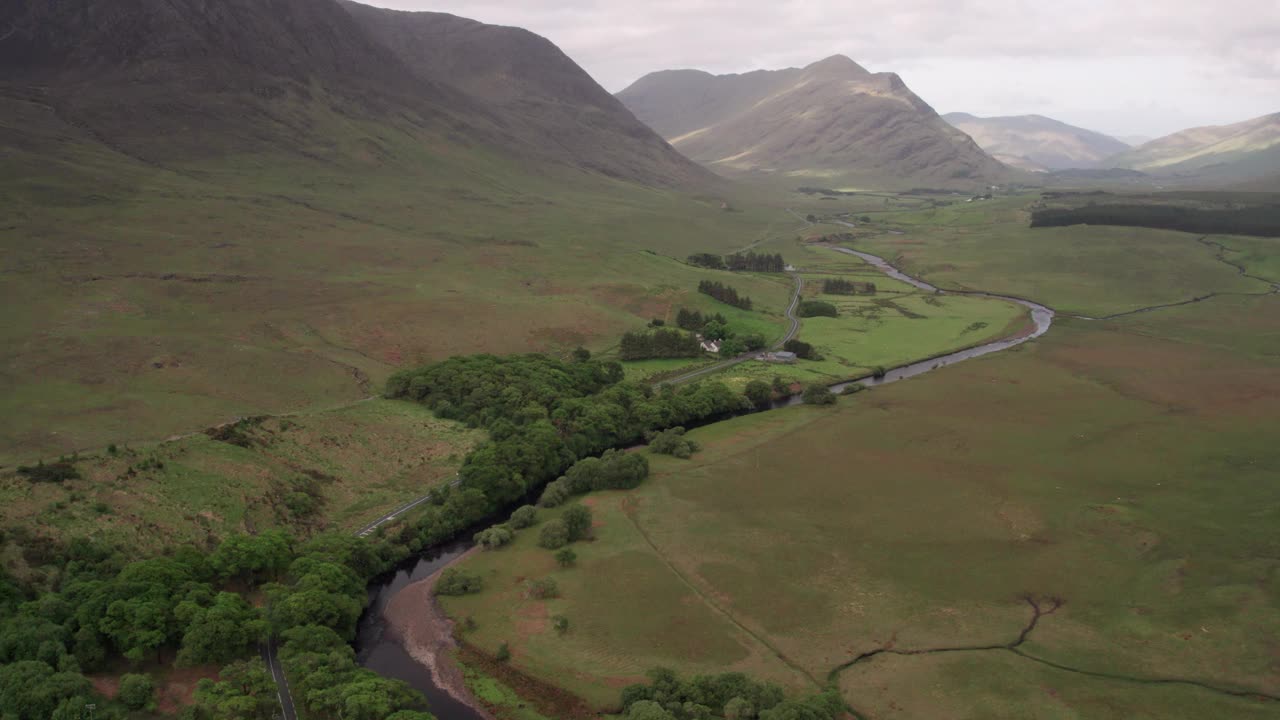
[257,208]
[1035,142]
[1239,151]
[832,119]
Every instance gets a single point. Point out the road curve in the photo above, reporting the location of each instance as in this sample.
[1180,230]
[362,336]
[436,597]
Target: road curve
[791,333]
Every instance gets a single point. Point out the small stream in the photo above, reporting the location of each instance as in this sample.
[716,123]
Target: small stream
[387,657]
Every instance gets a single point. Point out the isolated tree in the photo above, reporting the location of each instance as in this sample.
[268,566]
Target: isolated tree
[577,522]
[553,535]
[566,557]
[818,394]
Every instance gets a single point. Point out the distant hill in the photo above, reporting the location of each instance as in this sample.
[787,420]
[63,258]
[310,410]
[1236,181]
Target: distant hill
[1134,140]
[832,119]
[1035,142]
[1240,151]
[171,81]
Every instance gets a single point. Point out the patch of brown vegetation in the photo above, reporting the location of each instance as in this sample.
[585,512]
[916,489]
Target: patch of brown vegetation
[549,700]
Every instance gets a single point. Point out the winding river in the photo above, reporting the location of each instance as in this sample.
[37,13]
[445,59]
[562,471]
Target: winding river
[379,650]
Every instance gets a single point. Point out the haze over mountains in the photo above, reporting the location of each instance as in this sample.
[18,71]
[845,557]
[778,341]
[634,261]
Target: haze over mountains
[1240,151]
[166,80]
[831,119]
[1038,143]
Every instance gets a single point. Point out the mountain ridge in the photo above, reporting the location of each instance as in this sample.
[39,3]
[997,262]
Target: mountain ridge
[1038,143]
[832,118]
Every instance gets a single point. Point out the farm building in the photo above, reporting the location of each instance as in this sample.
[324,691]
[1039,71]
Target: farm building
[781,356]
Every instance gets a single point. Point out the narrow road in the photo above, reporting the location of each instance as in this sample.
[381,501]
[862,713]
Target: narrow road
[791,333]
[268,648]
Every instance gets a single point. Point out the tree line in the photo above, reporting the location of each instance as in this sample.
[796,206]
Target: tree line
[840,286]
[740,262]
[817,308]
[659,343]
[732,696]
[724,293]
[1263,220]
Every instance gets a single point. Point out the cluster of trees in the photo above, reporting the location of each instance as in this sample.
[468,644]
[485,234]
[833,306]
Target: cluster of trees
[817,308]
[732,696]
[752,262]
[840,286]
[707,260]
[90,607]
[694,320]
[803,350]
[724,293]
[672,442]
[659,343]
[1261,220]
[614,470]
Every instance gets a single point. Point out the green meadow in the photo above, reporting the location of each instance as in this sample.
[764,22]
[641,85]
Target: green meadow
[1081,527]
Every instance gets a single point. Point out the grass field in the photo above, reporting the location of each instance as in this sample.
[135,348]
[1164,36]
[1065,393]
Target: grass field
[147,301]
[363,460]
[1125,469]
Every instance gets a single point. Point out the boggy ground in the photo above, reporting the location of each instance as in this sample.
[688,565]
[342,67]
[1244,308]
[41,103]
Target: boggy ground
[1119,476]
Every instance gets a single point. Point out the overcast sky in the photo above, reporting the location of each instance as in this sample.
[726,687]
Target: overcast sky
[1124,67]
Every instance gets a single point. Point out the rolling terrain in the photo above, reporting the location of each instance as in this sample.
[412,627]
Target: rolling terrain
[219,211]
[1038,143]
[832,119]
[1219,153]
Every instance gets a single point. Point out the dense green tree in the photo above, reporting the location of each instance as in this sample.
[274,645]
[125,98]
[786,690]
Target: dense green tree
[566,557]
[818,394]
[673,442]
[137,691]
[817,308]
[553,535]
[759,393]
[244,691]
[458,582]
[253,557]
[555,494]
[494,537]
[219,632]
[32,690]
[523,517]
[577,522]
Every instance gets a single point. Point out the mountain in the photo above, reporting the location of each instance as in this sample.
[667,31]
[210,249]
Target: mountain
[180,80]
[533,90]
[1223,152]
[1035,142]
[832,119]
[1134,140]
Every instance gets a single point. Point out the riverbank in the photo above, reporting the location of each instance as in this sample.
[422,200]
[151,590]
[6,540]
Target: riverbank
[418,623]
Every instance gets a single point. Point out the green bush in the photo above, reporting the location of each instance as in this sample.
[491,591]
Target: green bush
[759,393]
[494,537]
[853,388]
[53,472]
[543,589]
[504,653]
[673,442]
[137,692]
[818,394]
[456,582]
[560,623]
[554,535]
[523,517]
[577,522]
[817,308]
[567,557]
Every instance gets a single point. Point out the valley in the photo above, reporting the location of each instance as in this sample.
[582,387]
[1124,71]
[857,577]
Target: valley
[369,363]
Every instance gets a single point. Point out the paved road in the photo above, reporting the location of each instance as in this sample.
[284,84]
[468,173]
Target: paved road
[790,335]
[268,650]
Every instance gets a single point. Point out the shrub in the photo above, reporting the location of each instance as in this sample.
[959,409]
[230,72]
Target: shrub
[554,535]
[577,522]
[853,388]
[456,582]
[759,393]
[53,472]
[137,692]
[803,350]
[567,557]
[818,394]
[555,494]
[817,308]
[673,442]
[504,653]
[543,589]
[494,537]
[524,517]
[560,623]
[878,372]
